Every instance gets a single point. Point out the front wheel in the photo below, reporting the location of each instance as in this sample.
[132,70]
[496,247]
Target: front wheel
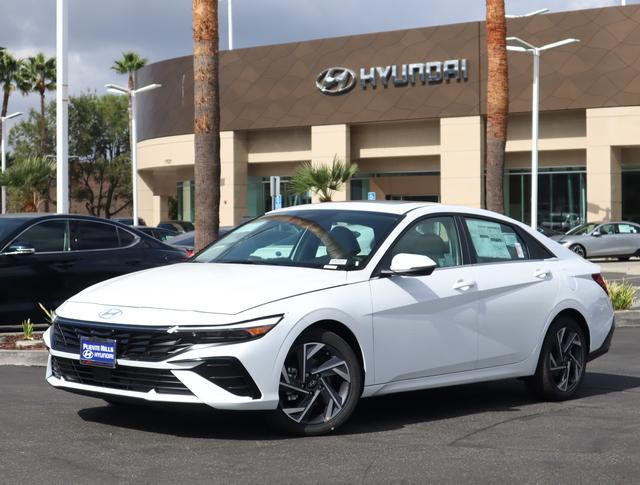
[579,250]
[562,363]
[320,384]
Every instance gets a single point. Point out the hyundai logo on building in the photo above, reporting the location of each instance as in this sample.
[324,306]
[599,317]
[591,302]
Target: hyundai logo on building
[339,80]
[110,313]
[336,80]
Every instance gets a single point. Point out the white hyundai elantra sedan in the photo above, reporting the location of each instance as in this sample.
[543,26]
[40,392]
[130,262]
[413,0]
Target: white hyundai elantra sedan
[308,309]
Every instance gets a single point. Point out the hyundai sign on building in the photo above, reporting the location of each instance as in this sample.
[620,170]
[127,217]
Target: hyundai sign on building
[409,108]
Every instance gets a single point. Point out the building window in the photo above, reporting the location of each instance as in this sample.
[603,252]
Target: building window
[414,186]
[631,194]
[259,196]
[562,197]
[186,197]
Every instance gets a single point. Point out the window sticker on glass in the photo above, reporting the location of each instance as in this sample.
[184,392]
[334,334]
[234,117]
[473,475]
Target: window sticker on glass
[488,240]
[519,250]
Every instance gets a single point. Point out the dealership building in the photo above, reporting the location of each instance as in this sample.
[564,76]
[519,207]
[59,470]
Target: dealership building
[409,108]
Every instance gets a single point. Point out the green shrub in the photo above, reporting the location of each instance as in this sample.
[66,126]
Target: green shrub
[27,329]
[622,294]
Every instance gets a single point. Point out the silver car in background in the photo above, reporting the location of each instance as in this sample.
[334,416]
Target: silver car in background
[605,239]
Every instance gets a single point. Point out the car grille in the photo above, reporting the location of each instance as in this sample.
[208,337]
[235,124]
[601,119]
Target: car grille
[133,342]
[124,378]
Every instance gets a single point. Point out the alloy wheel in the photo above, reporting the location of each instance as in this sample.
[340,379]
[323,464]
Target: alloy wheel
[579,250]
[315,383]
[566,359]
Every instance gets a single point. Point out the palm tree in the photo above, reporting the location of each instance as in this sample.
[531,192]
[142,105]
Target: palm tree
[497,103]
[206,120]
[129,64]
[29,180]
[323,180]
[39,76]
[10,79]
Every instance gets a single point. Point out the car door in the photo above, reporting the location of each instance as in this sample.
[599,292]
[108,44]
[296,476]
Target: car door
[97,245]
[425,325]
[628,236]
[602,241]
[516,289]
[39,278]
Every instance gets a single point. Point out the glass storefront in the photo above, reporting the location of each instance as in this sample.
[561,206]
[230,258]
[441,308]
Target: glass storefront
[631,194]
[186,197]
[562,197]
[259,195]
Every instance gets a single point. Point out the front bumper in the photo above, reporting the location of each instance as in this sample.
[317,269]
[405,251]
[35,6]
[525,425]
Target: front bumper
[232,376]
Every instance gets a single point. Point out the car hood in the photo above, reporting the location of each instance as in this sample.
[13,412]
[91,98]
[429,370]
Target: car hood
[211,288]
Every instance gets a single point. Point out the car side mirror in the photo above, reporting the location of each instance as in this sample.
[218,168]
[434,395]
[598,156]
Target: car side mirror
[596,234]
[404,264]
[19,249]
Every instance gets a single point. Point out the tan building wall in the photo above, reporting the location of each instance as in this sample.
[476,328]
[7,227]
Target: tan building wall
[602,140]
[609,132]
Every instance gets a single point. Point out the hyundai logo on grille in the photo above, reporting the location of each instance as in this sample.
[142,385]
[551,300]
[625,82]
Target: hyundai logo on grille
[336,80]
[110,313]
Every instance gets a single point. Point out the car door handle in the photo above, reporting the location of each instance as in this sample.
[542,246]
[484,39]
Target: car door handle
[464,285]
[542,274]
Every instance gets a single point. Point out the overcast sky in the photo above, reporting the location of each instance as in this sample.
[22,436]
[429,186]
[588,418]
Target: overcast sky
[159,29]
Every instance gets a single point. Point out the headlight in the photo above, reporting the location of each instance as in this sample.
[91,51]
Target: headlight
[566,243]
[249,330]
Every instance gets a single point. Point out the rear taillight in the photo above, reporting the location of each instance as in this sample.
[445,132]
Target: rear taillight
[190,252]
[600,280]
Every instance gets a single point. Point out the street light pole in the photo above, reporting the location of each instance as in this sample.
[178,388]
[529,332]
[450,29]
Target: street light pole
[62,108]
[535,128]
[134,138]
[3,151]
[516,44]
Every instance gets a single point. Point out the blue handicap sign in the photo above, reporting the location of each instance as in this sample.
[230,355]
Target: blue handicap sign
[371,196]
[278,202]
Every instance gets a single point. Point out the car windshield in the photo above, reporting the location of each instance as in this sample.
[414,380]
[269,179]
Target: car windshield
[8,225]
[581,230]
[329,239]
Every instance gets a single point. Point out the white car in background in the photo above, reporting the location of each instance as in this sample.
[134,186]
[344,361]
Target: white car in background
[308,309]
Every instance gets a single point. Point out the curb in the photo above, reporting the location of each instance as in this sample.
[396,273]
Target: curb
[33,358]
[628,318]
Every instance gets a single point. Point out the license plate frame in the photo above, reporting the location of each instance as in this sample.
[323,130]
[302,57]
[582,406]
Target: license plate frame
[98,352]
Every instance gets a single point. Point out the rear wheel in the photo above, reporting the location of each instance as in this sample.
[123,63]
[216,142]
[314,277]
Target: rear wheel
[579,250]
[320,384]
[562,362]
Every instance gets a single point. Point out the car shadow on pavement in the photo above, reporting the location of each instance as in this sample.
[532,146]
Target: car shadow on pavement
[373,415]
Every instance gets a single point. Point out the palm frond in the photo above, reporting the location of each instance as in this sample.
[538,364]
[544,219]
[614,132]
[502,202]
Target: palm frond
[322,179]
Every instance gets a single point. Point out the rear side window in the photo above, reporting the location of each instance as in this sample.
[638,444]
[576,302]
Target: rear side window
[46,237]
[126,238]
[495,242]
[627,229]
[89,235]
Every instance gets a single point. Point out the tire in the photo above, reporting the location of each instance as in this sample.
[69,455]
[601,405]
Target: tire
[320,402]
[579,250]
[559,373]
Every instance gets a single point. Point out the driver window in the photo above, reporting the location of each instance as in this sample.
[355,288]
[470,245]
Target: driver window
[607,229]
[46,237]
[436,237]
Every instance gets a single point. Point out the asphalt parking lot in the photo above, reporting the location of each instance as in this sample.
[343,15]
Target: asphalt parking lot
[471,434]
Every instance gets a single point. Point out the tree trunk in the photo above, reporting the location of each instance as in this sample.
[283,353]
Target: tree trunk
[43,147]
[497,104]
[206,121]
[5,107]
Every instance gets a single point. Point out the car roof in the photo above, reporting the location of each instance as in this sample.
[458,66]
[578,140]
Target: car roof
[385,206]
